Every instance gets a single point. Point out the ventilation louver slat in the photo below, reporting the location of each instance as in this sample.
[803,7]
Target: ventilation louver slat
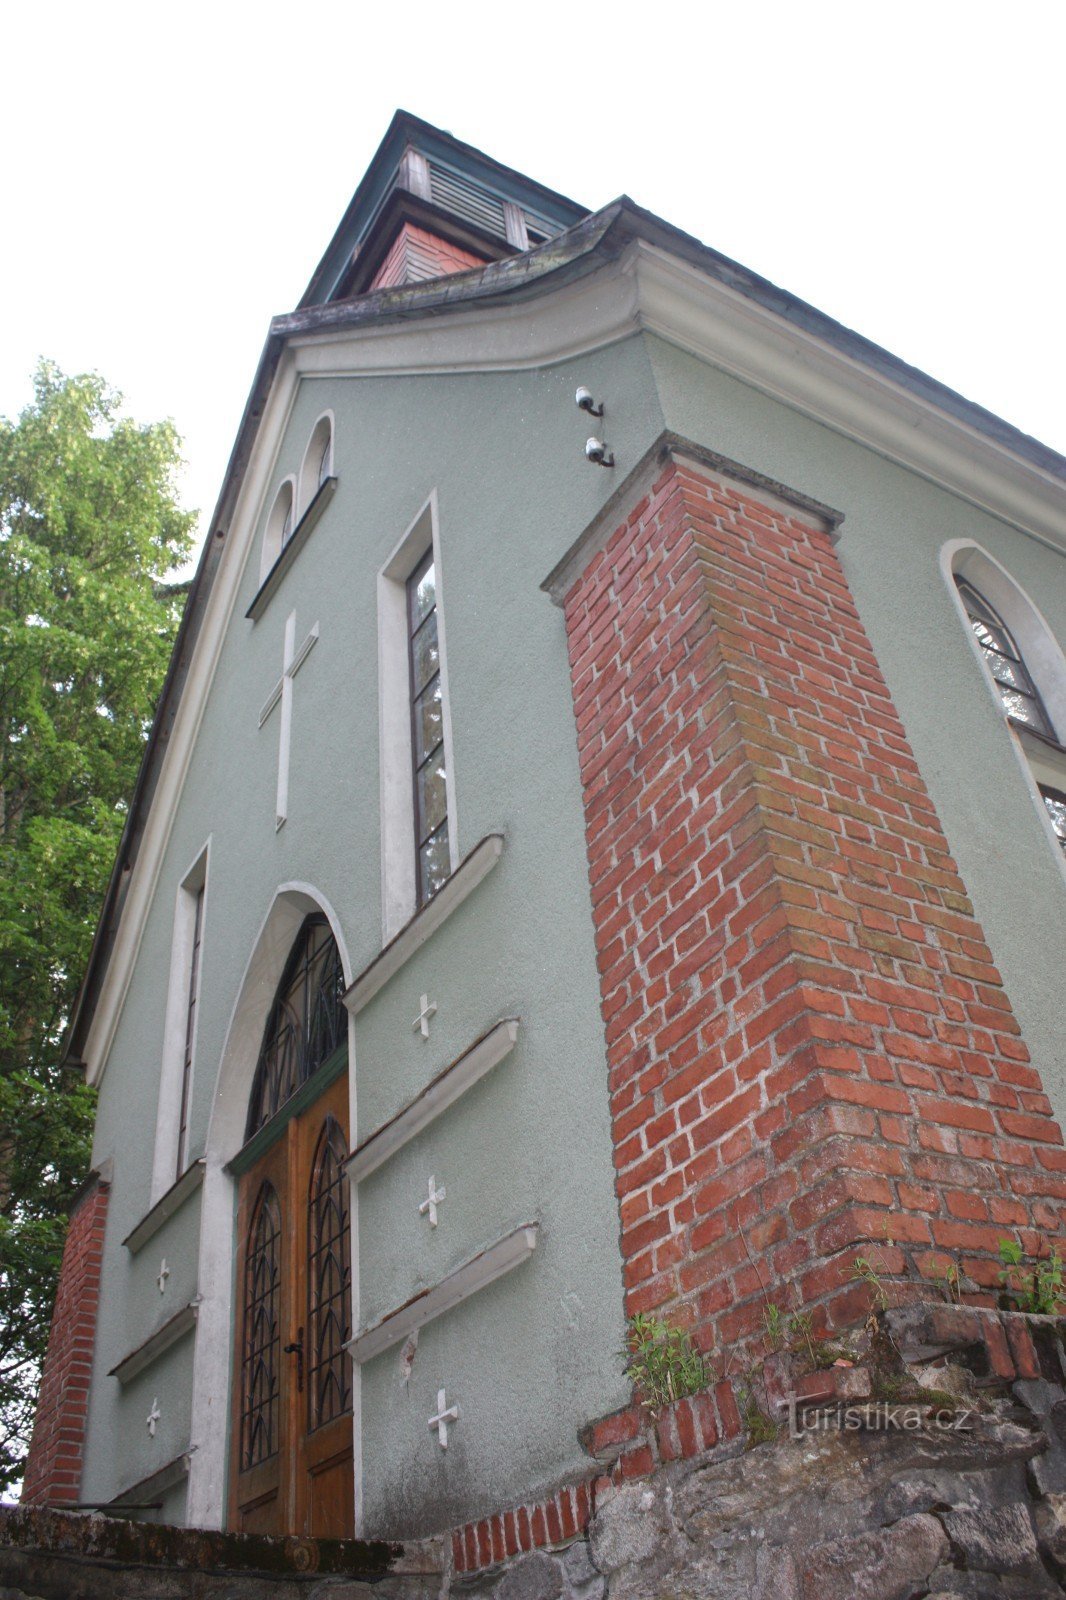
[467,200]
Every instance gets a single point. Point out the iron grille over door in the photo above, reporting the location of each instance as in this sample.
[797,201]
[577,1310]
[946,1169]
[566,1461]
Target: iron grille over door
[306,1024]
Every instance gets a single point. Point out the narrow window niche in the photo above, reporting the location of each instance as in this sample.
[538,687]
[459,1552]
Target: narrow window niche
[172,1138]
[420,846]
[280,523]
[317,463]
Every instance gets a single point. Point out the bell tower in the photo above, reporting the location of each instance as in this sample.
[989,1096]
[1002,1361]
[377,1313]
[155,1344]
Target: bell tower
[430,206]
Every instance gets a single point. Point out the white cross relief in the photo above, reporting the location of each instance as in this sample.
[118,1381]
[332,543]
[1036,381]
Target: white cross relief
[443,1417]
[292,661]
[164,1274]
[432,1201]
[421,1022]
[153,1417]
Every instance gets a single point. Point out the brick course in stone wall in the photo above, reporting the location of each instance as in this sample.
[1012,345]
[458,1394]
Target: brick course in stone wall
[54,1463]
[810,1050]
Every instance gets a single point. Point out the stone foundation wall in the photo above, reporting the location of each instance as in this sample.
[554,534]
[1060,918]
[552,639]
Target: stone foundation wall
[931,1462]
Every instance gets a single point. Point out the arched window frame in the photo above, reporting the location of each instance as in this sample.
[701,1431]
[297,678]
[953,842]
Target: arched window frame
[280,524]
[314,973]
[1041,753]
[317,465]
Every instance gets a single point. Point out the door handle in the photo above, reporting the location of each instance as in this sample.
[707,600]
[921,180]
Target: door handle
[296,1348]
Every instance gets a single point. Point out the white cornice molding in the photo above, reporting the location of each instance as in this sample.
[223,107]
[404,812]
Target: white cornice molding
[584,315]
[719,325]
[643,289]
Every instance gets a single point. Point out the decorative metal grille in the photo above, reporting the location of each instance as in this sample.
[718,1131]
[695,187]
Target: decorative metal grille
[261,1353]
[329,1388]
[306,1024]
[1017,690]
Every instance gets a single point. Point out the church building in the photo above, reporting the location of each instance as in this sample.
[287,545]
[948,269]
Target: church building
[599,851]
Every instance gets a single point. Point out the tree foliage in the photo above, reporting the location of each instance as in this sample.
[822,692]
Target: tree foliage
[90,530]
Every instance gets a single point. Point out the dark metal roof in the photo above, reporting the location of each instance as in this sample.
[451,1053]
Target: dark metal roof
[583,248]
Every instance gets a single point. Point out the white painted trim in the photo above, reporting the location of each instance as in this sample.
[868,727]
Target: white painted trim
[165,1207]
[1040,649]
[481,1270]
[310,480]
[144,878]
[398,869]
[175,1328]
[213,1354]
[292,660]
[159,1482]
[440,1093]
[172,1063]
[463,881]
[754,342]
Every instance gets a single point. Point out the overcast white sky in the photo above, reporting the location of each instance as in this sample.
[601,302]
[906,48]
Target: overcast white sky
[173,173]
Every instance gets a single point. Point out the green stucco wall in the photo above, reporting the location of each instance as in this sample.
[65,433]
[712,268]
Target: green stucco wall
[534,1356]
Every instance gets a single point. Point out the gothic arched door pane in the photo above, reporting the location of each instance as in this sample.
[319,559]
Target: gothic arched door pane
[261,1354]
[326,1446]
[329,1283]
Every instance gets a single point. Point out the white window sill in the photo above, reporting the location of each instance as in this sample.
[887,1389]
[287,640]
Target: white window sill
[466,877]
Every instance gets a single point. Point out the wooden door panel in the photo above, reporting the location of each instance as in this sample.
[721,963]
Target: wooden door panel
[295,1475]
[324,1441]
[261,1430]
[331,1488]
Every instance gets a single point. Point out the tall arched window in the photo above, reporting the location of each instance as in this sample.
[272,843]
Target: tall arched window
[280,523]
[329,1375]
[1026,666]
[307,1022]
[1004,660]
[261,1355]
[318,460]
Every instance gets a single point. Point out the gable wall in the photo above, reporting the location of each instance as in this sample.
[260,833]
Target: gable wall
[504,454]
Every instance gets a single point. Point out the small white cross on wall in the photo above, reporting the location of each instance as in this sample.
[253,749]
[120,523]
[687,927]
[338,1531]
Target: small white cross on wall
[421,1022]
[443,1417]
[291,662]
[432,1201]
[164,1274]
[153,1417]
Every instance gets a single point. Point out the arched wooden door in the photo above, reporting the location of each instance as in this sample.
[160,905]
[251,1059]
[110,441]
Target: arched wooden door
[291,1449]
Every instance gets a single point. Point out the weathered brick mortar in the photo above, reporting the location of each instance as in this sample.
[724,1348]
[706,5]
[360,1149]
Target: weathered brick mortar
[54,1462]
[810,1050]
